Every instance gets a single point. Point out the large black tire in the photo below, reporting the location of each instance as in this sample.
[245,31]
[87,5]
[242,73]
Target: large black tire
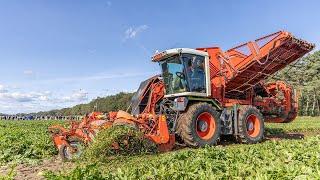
[66,154]
[199,125]
[250,125]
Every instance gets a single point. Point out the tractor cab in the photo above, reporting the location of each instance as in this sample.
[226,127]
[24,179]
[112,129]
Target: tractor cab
[185,72]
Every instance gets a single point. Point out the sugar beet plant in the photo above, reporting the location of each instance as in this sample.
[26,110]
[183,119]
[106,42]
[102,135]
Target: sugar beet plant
[25,141]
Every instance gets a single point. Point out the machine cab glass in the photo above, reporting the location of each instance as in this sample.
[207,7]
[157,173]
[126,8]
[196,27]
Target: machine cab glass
[184,73]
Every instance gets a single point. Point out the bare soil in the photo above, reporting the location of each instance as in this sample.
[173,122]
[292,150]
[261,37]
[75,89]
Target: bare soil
[297,135]
[35,172]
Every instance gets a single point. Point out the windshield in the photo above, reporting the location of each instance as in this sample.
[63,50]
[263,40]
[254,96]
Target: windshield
[184,73]
[173,75]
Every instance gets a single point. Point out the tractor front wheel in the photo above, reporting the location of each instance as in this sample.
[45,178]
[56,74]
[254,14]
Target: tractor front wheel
[250,125]
[199,125]
[71,151]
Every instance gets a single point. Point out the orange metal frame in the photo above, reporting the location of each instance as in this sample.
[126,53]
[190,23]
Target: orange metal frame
[83,130]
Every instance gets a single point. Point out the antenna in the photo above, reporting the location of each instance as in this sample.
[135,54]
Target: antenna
[95,107]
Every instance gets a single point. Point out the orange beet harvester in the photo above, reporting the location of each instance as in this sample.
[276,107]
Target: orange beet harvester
[204,93]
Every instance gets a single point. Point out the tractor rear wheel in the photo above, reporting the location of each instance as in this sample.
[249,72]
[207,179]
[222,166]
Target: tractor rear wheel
[199,125]
[250,125]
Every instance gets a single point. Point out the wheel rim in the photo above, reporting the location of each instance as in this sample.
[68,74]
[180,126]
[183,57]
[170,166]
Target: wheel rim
[74,152]
[205,126]
[253,126]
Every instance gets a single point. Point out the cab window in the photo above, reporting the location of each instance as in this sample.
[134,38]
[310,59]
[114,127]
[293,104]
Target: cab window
[195,71]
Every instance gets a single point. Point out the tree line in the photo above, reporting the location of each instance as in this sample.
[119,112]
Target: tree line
[120,101]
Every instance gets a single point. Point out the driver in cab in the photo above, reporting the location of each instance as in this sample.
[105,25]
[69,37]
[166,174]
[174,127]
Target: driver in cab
[196,74]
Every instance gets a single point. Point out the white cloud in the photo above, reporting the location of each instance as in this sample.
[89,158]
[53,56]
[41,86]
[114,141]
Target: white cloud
[43,98]
[92,51]
[3,89]
[23,97]
[46,96]
[12,101]
[28,72]
[77,96]
[13,108]
[108,3]
[132,32]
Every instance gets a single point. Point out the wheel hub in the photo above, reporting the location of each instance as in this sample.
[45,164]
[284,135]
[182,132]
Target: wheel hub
[253,126]
[205,126]
[250,126]
[202,126]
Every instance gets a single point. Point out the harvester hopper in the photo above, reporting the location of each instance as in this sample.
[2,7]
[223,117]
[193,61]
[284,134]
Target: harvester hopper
[255,61]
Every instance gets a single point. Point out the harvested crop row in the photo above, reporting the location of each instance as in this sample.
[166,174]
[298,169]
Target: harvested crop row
[287,159]
[119,140]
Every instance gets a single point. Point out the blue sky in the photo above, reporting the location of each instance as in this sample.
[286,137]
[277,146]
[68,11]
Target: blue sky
[60,53]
